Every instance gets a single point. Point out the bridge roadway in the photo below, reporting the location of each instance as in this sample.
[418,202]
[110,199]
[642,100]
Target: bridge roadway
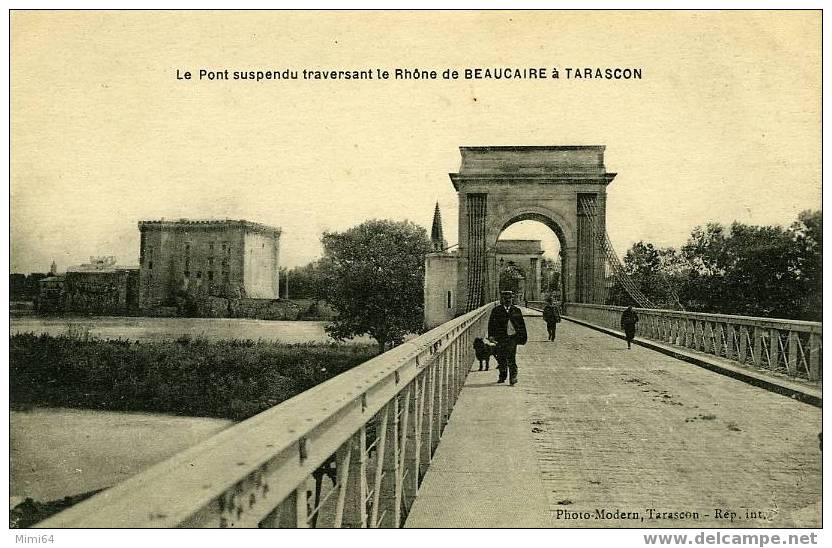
[592,426]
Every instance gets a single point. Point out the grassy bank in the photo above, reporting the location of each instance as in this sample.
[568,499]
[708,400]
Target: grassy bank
[226,379]
[30,512]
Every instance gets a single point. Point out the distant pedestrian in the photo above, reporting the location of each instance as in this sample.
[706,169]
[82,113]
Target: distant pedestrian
[629,319]
[507,328]
[551,316]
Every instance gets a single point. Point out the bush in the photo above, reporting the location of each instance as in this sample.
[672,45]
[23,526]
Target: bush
[193,377]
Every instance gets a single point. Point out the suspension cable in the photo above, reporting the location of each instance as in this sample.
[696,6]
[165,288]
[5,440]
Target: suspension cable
[625,280]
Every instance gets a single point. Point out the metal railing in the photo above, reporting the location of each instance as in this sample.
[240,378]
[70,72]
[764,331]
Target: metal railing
[789,347]
[350,452]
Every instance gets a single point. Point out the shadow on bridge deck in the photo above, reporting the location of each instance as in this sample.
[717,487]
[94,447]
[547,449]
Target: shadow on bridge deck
[593,427]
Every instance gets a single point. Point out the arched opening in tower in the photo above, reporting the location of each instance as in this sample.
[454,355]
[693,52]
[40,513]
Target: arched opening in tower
[528,262]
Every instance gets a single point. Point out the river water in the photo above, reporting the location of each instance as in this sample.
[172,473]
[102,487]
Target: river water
[154,329]
[61,452]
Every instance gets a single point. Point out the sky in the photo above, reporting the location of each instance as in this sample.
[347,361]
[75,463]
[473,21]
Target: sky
[723,126]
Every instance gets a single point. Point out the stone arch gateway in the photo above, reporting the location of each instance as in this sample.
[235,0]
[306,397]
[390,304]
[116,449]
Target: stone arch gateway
[498,186]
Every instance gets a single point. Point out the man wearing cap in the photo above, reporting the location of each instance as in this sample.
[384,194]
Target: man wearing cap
[507,328]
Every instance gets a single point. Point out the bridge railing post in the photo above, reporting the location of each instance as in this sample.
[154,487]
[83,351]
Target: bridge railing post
[719,339]
[757,347]
[381,447]
[707,337]
[450,392]
[730,339]
[458,374]
[438,414]
[290,514]
[814,357]
[743,349]
[411,430]
[390,484]
[792,353]
[427,420]
[355,510]
[454,373]
[773,349]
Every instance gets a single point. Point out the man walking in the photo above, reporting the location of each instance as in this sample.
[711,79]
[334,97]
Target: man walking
[552,317]
[629,319]
[507,328]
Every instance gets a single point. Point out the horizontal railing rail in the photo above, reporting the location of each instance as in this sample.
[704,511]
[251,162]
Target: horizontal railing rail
[789,347]
[350,452]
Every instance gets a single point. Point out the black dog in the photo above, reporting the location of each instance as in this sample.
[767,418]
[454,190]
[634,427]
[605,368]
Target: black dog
[483,352]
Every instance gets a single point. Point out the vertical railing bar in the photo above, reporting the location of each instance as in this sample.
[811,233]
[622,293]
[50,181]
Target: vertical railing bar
[392,472]
[789,354]
[729,341]
[342,474]
[446,380]
[403,432]
[404,423]
[772,348]
[274,519]
[802,359]
[436,417]
[418,433]
[756,347]
[355,511]
[301,509]
[413,449]
[381,440]
[814,357]
[427,417]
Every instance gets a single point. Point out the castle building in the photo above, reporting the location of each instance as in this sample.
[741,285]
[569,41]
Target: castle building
[225,258]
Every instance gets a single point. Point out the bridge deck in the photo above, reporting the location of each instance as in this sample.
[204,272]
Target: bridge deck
[594,426]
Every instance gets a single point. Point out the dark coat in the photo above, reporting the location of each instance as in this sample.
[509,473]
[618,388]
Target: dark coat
[498,325]
[551,314]
[629,319]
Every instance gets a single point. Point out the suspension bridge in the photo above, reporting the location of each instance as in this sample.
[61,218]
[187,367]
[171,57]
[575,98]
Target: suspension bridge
[711,420]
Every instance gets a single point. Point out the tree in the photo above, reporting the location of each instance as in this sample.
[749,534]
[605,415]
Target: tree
[767,271]
[512,278]
[808,235]
[764,276]
[373,276]
[303,281]
[17,287]
[550,278]
[751,270]
[655,271]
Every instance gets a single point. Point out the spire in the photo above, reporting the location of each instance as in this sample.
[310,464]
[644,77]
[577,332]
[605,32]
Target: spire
[436,236]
